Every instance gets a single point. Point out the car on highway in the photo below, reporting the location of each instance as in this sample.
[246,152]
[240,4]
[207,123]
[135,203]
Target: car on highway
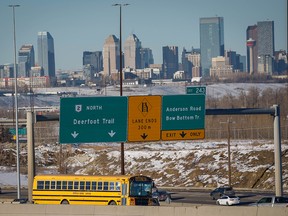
[273,201]
[161,195]
[228,200]
[220,191]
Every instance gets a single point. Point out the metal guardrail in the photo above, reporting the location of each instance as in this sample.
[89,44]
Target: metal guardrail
[7,122]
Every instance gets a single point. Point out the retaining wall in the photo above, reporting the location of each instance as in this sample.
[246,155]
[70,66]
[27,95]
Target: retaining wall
[86,210]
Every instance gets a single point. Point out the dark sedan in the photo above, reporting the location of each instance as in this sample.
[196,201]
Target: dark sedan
[161,195]
[220,191]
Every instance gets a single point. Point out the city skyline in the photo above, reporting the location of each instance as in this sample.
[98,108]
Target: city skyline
[74,32]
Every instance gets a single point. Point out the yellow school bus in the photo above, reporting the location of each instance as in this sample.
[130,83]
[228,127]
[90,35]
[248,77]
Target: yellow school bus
[93,190]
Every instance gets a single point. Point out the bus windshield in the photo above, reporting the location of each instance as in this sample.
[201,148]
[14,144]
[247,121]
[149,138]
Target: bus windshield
[142,189]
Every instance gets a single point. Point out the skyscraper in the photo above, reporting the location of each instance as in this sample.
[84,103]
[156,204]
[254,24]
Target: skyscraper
[26,60]
[170,61]
[132,48]
[146,57]
[111,53]
[46,55]
[265,35]
[92,64]
[95,59]
[263,48]
[211,41]
[191,62]
[234,60]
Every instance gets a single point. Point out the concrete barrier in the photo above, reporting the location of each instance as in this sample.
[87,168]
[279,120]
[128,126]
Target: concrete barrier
[86,210]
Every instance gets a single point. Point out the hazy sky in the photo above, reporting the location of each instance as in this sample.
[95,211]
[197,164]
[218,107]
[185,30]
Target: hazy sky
[83,25]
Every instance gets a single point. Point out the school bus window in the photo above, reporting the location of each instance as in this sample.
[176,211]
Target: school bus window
[76,185]
[40,185]
[53,185]
[70,185]
[99,186]
[88,185]
[93,186]
[112,188]
[47,185]
[64,185]
[82,185]
[58,185]
[118,186]
[105,186]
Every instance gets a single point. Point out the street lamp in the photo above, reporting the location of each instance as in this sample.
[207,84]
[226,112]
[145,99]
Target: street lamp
[120,47]
[121,79]
[16,104]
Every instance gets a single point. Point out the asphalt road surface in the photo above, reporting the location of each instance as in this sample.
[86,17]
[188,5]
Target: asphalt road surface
[200,196]
[179,196]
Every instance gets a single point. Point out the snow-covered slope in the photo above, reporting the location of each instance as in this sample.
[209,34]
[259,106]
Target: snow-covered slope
[170,164]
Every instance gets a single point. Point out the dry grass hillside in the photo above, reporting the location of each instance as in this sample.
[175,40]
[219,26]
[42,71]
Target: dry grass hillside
[172,164]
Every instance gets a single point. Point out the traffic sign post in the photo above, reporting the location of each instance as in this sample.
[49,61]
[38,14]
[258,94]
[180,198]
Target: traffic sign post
[93,119]
[144,118]
[183,117]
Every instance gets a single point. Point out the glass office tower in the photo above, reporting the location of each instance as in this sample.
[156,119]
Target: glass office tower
[170,61]
[146,56]
[265,33]
[95,59]
[211,41]
[26,60]
[46,55]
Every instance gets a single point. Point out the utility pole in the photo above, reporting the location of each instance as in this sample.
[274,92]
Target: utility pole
[229,153]
[229,149]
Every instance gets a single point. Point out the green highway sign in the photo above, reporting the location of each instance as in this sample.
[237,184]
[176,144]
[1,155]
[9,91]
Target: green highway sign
[93,119]
[21,131]
[196,90]
[183,117]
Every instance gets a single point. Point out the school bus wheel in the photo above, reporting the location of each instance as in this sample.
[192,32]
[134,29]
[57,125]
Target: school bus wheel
[65,202]
[112,203]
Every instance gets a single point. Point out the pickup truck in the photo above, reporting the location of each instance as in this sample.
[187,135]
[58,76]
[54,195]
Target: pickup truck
[273,201]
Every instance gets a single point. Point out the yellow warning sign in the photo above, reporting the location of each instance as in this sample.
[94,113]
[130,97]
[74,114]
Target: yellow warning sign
[144,118]
[183,134]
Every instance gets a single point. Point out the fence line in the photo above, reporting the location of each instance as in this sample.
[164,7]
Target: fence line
[46,133]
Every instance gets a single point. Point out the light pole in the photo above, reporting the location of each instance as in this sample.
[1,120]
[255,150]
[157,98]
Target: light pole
[120,46]
[16,104]
[121,79]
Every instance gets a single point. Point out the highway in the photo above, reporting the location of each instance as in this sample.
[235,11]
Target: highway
[179,196]
[201,196]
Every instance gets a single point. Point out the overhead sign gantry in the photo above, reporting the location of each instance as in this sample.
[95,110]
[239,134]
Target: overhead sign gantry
[132,119]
